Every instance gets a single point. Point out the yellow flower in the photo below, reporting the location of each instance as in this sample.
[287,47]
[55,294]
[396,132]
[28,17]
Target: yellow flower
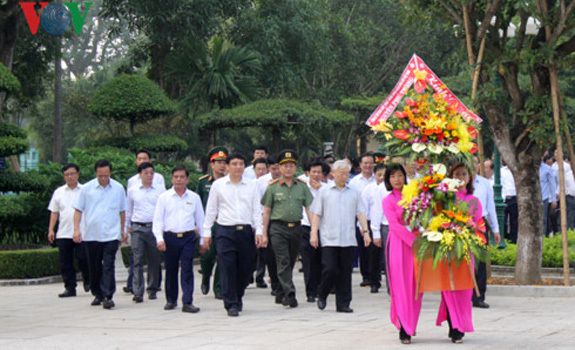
[420,74]
[409,192]
[465,145]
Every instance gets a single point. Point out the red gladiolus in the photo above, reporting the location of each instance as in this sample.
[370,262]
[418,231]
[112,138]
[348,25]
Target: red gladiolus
[401,134]
[472,132]
[399,114]
[473,149]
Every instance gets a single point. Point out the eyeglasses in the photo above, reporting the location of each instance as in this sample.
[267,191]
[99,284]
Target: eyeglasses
[71,174]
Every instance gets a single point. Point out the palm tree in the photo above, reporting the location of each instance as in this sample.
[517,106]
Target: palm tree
[216,74]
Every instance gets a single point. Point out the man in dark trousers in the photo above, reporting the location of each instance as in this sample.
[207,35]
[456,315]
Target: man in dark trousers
[234,201]
[283,202]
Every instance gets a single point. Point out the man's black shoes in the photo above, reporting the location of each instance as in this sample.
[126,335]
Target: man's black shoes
[138,299]
[233,312]
[345,309]
[321,303]
[108,304]
[190,308]
[67,293]
[97,301]
[481,304]
[170,306]
[205,288]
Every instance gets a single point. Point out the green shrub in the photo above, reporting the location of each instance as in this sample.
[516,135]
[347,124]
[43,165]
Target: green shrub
[17,264]
[22,182]
[23,219]
[552,252]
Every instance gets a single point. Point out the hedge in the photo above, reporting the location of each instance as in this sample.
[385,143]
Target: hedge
[33,263]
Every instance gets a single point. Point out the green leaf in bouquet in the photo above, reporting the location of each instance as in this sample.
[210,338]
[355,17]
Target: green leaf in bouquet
[458,245]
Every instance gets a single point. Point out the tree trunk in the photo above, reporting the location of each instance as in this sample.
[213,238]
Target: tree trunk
[57,145]
[10,21]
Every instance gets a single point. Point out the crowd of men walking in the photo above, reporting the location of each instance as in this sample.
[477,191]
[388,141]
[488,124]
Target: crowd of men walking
[247,219]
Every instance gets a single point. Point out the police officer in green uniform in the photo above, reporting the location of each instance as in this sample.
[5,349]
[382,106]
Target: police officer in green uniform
[217,157]
[283,201]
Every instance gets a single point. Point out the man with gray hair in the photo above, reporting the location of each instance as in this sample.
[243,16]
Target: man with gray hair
[335,207]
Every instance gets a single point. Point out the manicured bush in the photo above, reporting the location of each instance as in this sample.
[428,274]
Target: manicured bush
[34,263]
[552,252]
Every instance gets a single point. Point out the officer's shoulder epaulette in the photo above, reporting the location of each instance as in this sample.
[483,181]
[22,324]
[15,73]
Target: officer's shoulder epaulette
[273,182]
[204,177]
[300,180]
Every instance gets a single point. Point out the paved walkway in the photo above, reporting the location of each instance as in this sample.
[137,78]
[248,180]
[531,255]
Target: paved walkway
[33,317]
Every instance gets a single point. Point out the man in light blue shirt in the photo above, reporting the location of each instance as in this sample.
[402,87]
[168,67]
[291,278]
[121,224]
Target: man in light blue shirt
[547,177]
[335,207]
[101,206]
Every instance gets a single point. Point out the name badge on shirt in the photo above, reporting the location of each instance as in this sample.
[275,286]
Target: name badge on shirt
[189,203]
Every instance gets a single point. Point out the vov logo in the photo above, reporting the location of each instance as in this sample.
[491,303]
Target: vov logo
[55,18]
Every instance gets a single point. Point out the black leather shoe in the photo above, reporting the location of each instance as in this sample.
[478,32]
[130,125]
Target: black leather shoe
[108,304]
[278,300]
[365,283]
[137,299]
[310,299]
[321,303]
[170,306]
[97,301]
[128,290]
[152,296]
[86,287]
[345,309]
[481,305]
[67,293]
[233,312]
[190,308]
[290,301]
[374,288]
[261,284]
[205,288]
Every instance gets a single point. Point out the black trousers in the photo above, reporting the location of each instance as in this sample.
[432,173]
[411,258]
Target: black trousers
[511,222]
[337,265]
[101,263]
[67,251]
[481,271]
[180,254]
[363,255]
[236,258]
[311,262]
[373,260]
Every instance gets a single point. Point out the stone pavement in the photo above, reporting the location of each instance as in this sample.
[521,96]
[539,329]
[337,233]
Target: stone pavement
[33,317]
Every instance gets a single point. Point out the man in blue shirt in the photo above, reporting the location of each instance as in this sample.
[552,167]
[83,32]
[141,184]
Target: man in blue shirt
[101,206]
[547,178]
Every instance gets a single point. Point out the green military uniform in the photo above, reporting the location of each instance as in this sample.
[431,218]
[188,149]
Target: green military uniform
[208,259]
[286,203]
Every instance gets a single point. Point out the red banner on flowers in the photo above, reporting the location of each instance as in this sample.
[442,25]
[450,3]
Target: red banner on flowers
[407,79]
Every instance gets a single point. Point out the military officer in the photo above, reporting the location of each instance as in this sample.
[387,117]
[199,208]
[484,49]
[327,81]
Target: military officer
[217,158]
[283,201]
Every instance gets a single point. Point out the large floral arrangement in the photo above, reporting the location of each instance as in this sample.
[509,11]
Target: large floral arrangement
[430,132]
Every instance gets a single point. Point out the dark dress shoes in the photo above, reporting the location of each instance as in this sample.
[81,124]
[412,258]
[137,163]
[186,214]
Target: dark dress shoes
[205,288]
[86,287]
[374,288]
[108,304]
[345,309]
[170,306]
[97,301]
[310,299]
[128,290]
[321,303]
[233,312]
[290,301]
[481,305]
[152,296]
[364,283]
[67,293]
[190,308]
[138,299]
[261,284]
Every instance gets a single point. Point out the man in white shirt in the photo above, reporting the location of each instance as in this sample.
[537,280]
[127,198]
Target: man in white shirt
[311,256]
[139,216]
[142,156]
[234,204]
[62,211]
[569,190]
[261,170]
[358,183]
[335,209]
[509,195]
[178,221]
[371,196]
[260,151]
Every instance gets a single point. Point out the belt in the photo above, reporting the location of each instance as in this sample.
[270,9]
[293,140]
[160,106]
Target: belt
[180,234]
[142,224]
[237,227]
[287,224]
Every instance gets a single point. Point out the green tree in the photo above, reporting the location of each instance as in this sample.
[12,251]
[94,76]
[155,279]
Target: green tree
[131,98]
